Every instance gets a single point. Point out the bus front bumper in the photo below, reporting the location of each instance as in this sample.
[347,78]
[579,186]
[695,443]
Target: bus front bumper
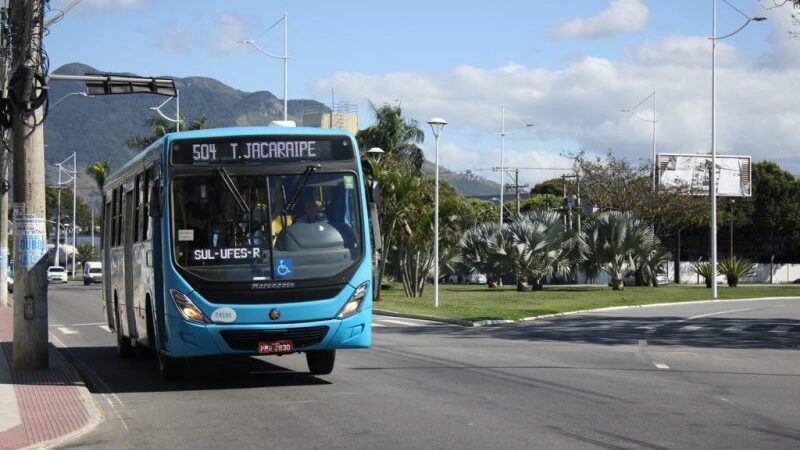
[190,339]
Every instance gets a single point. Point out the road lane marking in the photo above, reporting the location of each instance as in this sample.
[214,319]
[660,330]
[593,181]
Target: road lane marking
[661,366]
[781,329]
[93,324]
[735,328]
[691,328]
[642,341]
[718,313]
[377,325]
[401,322]
[66,330]
[105,328]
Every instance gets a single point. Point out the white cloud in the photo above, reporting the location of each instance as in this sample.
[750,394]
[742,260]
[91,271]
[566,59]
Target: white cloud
[784,37]
[621,16]
[579,105]
[228,30]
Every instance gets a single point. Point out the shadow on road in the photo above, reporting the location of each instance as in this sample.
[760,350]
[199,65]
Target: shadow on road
[105,372]
[733,333]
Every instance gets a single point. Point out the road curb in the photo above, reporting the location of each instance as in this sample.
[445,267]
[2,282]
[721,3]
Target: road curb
[486,323]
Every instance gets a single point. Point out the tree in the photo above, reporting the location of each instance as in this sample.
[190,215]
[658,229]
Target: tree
[774,209]
[82,210]
[398,173]
[160,126]
[396,136]
[615,241]
[553,186]
[540,248]
[87,252]
[99,170]
[613,184]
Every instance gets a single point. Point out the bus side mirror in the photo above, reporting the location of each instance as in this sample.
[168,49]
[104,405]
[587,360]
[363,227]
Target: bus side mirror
[375,227]
[156,207]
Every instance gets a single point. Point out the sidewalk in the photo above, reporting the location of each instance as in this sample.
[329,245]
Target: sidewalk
[40,408]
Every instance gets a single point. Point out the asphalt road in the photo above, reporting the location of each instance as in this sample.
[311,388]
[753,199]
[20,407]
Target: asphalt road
[714,375]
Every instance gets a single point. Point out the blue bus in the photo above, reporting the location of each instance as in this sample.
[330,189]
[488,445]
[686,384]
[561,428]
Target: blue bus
[241,241]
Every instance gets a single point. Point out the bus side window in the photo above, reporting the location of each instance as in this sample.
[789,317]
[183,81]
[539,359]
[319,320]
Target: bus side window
[148,178]
[114,217]
[137,207]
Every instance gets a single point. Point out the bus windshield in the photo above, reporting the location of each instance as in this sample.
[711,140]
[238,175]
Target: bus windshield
[243,227]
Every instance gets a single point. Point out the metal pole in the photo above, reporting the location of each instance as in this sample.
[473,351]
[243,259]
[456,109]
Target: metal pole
[730,255]
[516,186]
[713,181]
[57,258]
[502,167]
[74,210]
[436,228]
[654,139]
[30,255]
[92,209]
[285,66]
[178,110]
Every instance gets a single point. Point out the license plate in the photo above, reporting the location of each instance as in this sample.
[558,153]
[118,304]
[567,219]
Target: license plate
[271,348]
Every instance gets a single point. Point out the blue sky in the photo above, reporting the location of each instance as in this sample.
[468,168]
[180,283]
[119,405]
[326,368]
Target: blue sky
[568,66]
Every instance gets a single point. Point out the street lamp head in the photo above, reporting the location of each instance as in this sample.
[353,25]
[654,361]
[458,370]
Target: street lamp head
[437,123]
[376,151]
[759,18]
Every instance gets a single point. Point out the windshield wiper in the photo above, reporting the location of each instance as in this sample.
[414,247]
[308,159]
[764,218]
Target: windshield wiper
[226,178]
[299,186]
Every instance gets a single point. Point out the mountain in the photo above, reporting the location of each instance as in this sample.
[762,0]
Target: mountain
[468,184]
[96,128]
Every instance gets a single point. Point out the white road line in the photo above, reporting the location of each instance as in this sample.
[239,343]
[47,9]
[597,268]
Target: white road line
[66,330]
[718,313]
[105,328]
[691,328]
[781,329]
[93,324]
[377,325]
[401,322]
[642,341]
[661,366]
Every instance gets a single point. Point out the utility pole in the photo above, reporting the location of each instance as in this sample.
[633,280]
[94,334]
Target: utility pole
[5,157]
[516,186]
[27,137]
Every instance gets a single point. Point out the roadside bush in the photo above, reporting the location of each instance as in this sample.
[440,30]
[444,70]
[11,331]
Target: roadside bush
[703,268]
[735,268]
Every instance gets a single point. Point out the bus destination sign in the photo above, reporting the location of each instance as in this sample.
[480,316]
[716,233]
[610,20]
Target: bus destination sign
[261,149]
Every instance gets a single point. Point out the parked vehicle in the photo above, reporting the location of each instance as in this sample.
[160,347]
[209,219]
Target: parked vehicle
[92,272]
[476,278]
[56,274]
[661,278]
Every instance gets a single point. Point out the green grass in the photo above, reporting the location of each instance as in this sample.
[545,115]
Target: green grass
[481,303]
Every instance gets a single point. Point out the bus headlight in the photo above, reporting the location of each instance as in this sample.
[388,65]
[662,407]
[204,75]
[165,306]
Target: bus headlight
[187,309]
[354,303]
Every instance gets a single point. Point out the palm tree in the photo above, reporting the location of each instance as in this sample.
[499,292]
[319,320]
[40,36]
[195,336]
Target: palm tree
[615,241]
[540,248]
[99,170]
[397,137]
[474,254]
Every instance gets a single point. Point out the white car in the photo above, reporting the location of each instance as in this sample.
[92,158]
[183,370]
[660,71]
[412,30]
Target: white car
[476,278]
[56,274]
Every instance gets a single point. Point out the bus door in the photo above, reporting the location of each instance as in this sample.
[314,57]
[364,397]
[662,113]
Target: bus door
[127,242]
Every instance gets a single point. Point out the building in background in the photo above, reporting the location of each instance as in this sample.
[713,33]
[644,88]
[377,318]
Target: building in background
[343,115]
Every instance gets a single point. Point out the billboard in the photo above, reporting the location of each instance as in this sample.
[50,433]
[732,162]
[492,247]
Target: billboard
[733,175]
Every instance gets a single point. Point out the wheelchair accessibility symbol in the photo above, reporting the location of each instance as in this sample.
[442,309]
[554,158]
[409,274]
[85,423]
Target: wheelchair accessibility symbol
[284,268]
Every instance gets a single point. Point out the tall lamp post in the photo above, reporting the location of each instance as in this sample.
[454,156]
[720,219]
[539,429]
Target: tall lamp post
[632,112]
[502,148]
[284,57]
[177,119]
[712,191]
[437,123]
[377,152]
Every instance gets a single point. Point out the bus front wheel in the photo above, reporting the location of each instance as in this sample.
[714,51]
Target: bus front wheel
[169,367]
[320,362]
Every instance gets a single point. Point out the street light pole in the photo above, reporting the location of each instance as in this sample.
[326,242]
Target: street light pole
[502,167]
[285,59]
[437,123]
[712,191]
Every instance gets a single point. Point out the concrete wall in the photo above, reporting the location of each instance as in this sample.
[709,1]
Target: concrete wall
[781,273]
